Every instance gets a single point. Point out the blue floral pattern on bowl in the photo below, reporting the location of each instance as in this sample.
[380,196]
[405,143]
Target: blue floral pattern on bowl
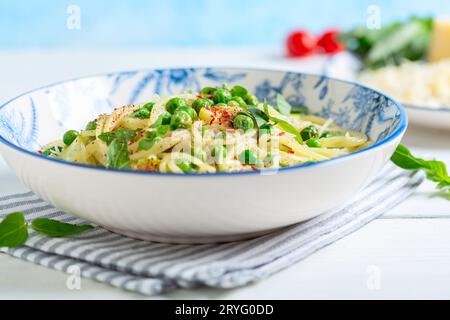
[33,119]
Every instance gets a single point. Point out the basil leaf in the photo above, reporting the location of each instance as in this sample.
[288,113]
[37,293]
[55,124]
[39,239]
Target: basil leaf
[259,116]
[300,109]
[435,170]
[118,155]
[57,229]
[52,152]
[13,230]
[283,124]
[403,158]
[121,134]
[283,105]
[163,119]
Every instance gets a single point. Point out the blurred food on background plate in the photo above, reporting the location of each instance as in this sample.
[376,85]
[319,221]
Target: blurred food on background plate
[416,83]
[409,60]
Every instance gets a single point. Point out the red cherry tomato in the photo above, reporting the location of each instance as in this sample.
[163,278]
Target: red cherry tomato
[329,43]
[300,43]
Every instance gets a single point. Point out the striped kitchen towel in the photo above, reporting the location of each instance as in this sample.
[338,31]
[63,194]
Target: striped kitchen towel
[152,268]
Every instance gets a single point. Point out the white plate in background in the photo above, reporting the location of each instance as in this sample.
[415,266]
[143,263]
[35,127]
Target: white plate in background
[345,66]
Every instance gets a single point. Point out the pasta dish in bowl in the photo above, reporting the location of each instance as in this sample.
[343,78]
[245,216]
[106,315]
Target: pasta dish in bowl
[206,132]
[174,155]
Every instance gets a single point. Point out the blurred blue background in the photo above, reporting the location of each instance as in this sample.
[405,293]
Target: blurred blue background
[144,23]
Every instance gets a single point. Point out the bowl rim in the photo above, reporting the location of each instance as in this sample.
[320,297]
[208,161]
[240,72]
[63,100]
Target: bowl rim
[398,132]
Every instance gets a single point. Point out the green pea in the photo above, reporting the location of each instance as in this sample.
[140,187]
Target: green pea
[181,119]
[185,166]
[152,137]
[219,153]
[166,117]
[92,125]
[248,157]
[326,135]
[208,90]
[221,105]
[141,113]
[313,143]
[239,91]
[202,103]
[243,122]
[222,96]
[239,100]
[265,129]
[189,110]
[309,133]
[149,106]
[173,104]
[70,137]
[163,119]
[251,99]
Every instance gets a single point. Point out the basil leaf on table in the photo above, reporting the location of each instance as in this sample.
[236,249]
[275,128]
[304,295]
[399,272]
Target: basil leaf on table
[57,229]
[118,154]
[283,105]
[13,230]
[121,134]
[435,170]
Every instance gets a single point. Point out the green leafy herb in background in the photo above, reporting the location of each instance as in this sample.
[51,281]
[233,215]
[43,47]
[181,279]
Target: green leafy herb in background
[391,44]
[436,171]
[258,116]
[14,229]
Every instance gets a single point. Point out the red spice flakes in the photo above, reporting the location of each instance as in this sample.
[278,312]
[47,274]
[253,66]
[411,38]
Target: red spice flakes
[291,152]
[281,134]
[255,168]
[40,151]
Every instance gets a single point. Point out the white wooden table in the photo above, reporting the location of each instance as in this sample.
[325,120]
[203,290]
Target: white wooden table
[405,254]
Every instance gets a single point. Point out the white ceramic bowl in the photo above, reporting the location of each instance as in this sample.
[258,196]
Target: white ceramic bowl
[195,208]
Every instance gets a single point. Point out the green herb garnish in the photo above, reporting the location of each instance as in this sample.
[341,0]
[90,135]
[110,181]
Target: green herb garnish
[118,155]
[152,137]
[436,171]
[58,229]
[52,152]
[391,44]
[301,109]
[259,116]
[283,124]
[14,229]
[121,134]
[283,105]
